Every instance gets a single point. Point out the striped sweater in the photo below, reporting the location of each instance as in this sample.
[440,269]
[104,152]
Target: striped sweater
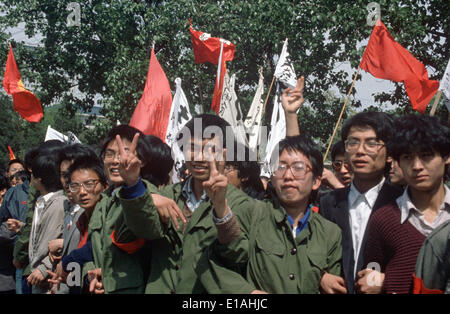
[394,246]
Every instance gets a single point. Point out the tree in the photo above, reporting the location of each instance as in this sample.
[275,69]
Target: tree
[108,53]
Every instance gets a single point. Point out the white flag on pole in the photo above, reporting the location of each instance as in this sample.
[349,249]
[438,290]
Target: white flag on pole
[286,77]
[284,72]
[52,134]
[179,115]
[230,109]
[252,122]
[444,85]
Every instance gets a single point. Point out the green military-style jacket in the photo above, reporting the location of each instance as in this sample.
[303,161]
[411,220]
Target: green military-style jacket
[276,262]
[20,252]
[175,253]
[121,272]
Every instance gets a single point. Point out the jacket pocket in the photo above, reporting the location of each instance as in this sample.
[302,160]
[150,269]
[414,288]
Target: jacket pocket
[269,247]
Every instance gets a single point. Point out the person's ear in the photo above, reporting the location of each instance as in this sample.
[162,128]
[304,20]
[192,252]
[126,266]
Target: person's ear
[317,181]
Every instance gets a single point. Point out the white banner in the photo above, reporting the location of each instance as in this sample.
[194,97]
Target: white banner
[286,77]
[230,109]
[252,122]
[284,71]
[277,133]
[444,85]
[52,134]
[179,115]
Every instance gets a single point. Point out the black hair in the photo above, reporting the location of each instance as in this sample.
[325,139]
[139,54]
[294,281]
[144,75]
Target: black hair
[414,133]
[72,152]
[15,161]
[382,123]
[44,166]
[158,161]
[125,132]
[209,122]
[337,149]
[88,162]
[51,146]
[23,175]
[303,144]
[249,170]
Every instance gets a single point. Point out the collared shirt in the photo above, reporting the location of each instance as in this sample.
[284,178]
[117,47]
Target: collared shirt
[410,213]
[302,223]
[360,209]
[188,192]
[40,205]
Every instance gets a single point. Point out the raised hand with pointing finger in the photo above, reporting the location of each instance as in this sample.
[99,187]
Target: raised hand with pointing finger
[292,100]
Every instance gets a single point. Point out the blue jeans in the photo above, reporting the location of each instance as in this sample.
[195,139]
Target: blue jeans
[26,289]
[19,281]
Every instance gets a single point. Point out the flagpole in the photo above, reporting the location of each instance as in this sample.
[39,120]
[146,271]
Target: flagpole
[340,116]
[267,97]
[436,101]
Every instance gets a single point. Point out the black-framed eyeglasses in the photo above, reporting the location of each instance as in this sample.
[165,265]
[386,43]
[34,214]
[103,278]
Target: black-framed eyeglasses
[88,185]
[370,146]
[298,169]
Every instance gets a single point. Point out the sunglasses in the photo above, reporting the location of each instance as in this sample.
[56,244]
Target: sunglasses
[337,165]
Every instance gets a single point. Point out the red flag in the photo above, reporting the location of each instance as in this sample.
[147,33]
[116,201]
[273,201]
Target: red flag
[212,50]
[151,115]
[384,58]
[25,102]
[11,154]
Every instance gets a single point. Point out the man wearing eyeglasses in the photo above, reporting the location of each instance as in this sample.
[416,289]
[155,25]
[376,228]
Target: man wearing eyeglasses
[365,136]
[288,247]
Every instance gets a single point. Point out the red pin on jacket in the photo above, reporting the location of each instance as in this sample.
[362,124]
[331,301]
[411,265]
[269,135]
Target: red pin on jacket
[25,102]
[384,58]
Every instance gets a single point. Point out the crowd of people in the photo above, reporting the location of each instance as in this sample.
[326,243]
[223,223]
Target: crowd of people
[75,220]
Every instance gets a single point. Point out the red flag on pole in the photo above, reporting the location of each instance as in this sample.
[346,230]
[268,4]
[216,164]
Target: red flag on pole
[384,58]
[151,115]
[216,51]
[11,154]
[25,102]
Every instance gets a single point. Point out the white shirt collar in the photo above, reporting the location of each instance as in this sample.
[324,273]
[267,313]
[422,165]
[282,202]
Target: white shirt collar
[46,197]
[406,205]
[370,196]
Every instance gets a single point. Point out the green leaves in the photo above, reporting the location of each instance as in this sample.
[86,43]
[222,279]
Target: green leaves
[108,54]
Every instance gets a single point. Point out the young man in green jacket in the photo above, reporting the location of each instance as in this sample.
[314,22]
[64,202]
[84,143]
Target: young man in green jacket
[177,247]
[285,245]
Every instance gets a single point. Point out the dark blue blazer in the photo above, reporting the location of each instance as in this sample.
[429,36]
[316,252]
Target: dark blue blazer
[334,207]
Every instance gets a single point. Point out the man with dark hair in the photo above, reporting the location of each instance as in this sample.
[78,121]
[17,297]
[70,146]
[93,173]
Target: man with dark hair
[284,245]
[48,219]
[87,181]
[176,249]
[23,228]
[14,165]
[341,167]
[396,232]
[72,211]
[112,264]
[365,136]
